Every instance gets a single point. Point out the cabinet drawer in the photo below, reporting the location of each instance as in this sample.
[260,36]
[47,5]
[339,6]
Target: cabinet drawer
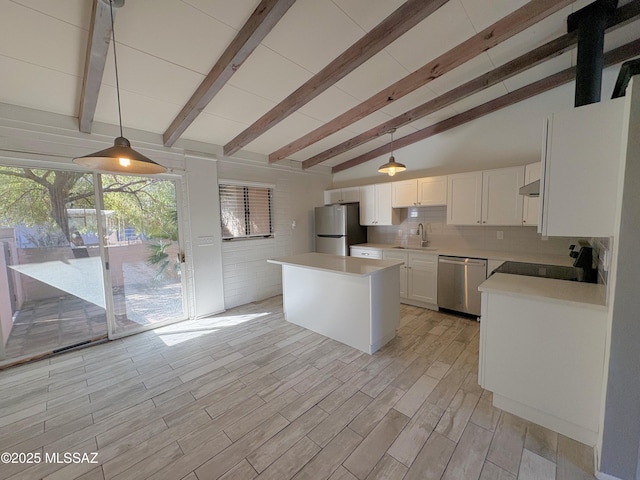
[366,253]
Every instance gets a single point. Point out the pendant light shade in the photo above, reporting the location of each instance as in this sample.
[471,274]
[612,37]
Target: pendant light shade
[392,167]
[120,158]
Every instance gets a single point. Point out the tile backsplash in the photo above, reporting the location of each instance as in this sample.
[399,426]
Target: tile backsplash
[601,252]
[439,234]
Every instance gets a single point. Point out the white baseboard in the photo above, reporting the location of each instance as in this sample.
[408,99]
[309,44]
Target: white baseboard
[604,476]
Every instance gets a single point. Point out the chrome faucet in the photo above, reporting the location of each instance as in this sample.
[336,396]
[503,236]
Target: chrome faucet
[423,241]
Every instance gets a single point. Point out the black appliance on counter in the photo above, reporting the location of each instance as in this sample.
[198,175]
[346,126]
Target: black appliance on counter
[581,271]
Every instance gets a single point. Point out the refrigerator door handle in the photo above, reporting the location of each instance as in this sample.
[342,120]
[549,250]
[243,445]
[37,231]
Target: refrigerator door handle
[330,236]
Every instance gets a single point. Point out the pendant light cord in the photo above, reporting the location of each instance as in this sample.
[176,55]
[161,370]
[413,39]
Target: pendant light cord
[391,132]
[115,61]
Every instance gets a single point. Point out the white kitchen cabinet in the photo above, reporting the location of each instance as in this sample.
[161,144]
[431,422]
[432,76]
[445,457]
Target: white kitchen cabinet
[427,191]
[418,277]
[489,197]
[422,280]
[363,252]
[543,360]
[580,165]
[464,199]
[501,199]
[531,205]
[342,195]
[375,206]
[404,257]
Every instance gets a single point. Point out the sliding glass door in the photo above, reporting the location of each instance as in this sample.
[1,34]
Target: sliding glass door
[143,252]
[85,256]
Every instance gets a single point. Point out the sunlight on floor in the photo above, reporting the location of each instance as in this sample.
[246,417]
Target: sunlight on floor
[181,332]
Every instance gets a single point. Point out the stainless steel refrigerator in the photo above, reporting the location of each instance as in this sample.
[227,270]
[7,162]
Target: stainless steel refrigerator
[338,227]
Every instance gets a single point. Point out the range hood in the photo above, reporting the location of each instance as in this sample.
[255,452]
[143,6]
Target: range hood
[531,189]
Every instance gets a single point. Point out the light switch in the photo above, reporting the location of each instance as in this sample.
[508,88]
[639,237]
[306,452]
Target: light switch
[500,235]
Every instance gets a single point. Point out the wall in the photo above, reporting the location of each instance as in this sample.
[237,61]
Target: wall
[247,275]
[620,450]
[439,234]
[508,137]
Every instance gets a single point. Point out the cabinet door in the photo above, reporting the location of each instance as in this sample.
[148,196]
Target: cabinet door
[501,199]
[350,195]
[423,278]
[332,196]
[581,170]
[387,255]
[404,194]
[384,210]
[464,198]
[432,191]
[368,205]
[531,205]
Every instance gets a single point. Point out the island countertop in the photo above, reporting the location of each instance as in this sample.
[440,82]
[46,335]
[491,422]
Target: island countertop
[359,267]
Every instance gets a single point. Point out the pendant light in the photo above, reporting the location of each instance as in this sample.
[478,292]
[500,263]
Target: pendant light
[120,158]
[392,167]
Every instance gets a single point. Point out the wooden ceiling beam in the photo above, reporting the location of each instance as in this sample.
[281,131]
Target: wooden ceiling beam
[95,58]
[613,57]
[503,29]
[261,22]
[390,29]
[530,59]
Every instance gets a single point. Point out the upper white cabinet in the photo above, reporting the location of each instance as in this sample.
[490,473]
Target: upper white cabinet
[423,192]
[531,205]
[501,199]
[580,165]
[490,197]
[464,199]
[375,205]
[342,195]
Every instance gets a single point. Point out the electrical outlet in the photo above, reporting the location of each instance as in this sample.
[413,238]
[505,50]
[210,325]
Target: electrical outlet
[500,235]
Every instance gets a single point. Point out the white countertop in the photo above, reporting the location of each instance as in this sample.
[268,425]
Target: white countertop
[336,263]
[546,259]
[586,294]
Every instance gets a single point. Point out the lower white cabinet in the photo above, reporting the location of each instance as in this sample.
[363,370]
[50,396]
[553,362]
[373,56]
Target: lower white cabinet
[404,257]
[366,252]
[418,277]
[423,278]
[544,361]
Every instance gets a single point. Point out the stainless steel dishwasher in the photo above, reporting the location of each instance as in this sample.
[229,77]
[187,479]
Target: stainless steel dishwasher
[458,281]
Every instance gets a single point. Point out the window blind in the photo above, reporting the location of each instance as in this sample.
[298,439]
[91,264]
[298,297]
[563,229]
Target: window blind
[245,211]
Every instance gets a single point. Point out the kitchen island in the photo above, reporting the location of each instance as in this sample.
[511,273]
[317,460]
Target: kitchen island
[355,301]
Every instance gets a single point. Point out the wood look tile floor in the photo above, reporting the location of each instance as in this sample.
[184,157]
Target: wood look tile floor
[247,395]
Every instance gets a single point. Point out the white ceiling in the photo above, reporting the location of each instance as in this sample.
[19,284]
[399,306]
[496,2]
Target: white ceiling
[166,47]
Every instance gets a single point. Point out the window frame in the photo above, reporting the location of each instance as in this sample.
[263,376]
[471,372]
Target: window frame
[247,212]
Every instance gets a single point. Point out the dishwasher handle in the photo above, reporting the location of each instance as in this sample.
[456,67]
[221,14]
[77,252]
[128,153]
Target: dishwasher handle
[475,263]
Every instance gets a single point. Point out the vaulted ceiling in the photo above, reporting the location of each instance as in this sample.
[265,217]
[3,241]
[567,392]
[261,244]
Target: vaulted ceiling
[316,81]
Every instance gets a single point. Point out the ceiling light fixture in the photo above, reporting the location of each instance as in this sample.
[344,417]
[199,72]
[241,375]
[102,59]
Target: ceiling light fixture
[392,167]
[120,158]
